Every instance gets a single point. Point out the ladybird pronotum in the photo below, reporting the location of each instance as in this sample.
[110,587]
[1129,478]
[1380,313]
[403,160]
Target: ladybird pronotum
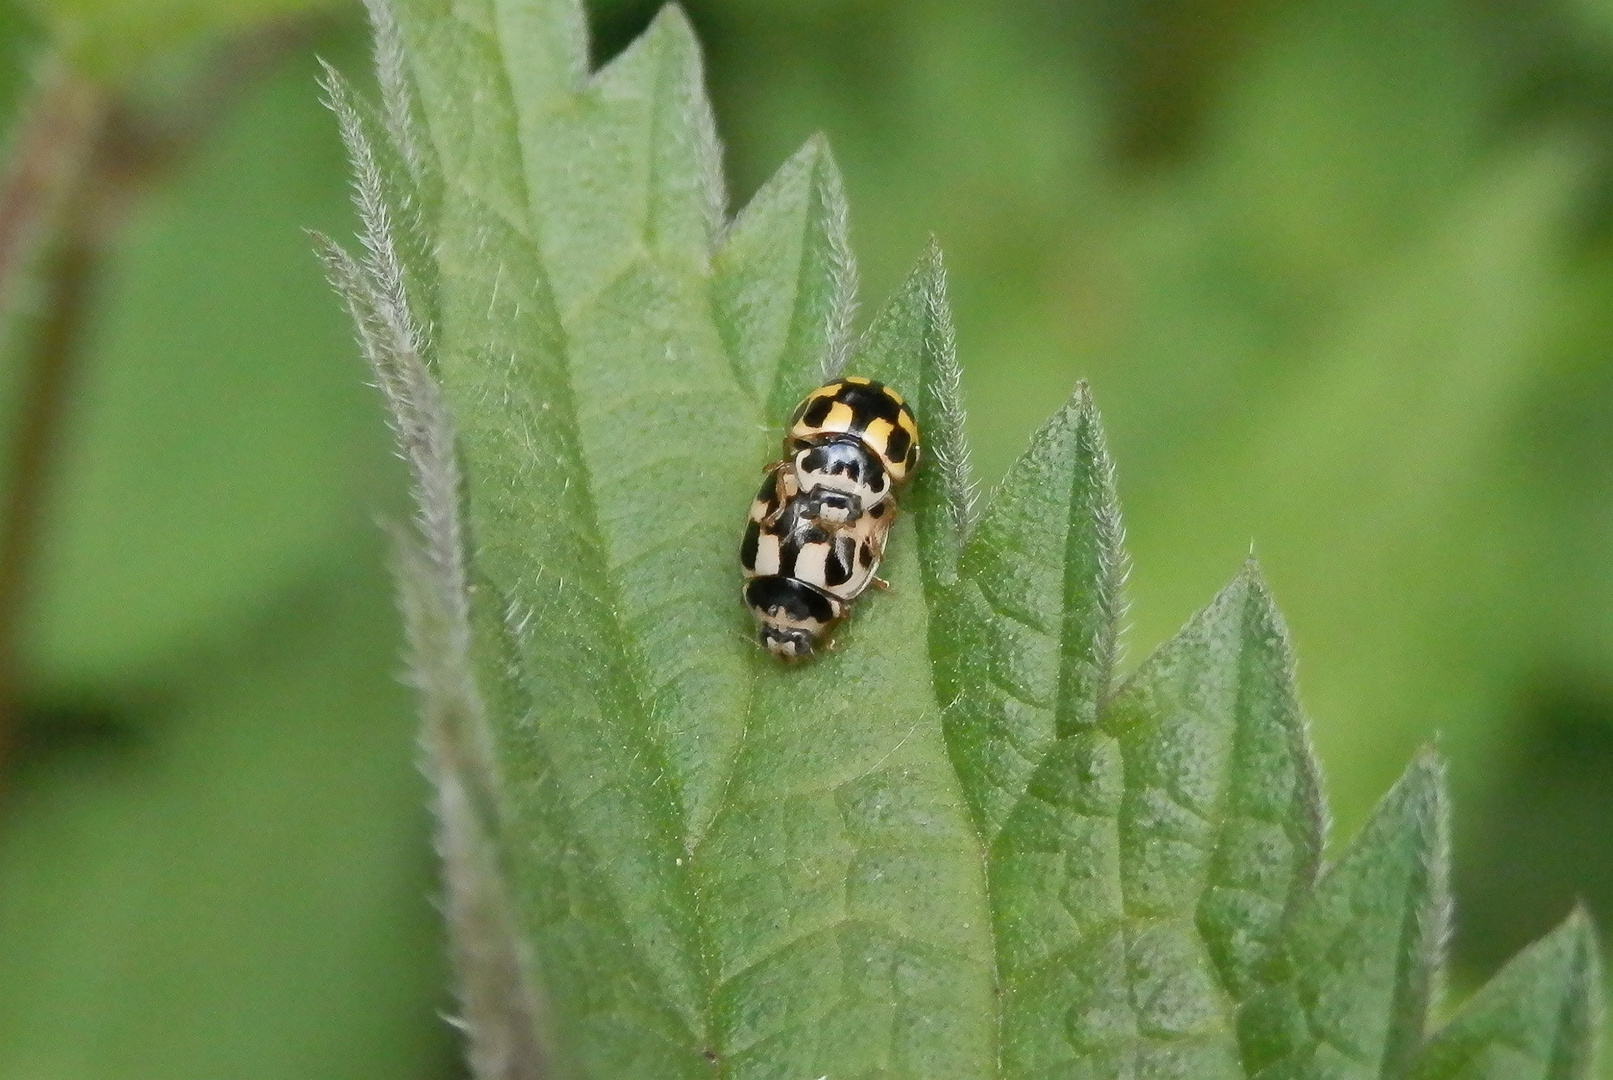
[817,527]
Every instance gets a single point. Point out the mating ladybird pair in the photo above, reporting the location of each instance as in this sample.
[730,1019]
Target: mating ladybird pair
[817,527]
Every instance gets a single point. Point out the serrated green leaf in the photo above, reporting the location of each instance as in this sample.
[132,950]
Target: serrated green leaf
[1354,972]
[1142,874]
[952,848]
[1536,1020]
[1027,635]
[874,953]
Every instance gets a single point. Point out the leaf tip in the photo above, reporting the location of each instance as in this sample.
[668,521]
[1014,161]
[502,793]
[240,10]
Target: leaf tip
[1419,799]
[1253,578]
[1579,920]
[1432,809]
[1083,409]
[1580,929]
[672,26]
[337,91]
[1428,766]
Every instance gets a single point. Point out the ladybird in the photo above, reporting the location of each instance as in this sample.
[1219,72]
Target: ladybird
[818,526]
[852,443]
[802,573]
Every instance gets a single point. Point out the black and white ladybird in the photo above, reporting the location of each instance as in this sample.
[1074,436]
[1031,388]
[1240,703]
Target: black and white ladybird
[802,573]
[818,526]
[852,443]
[783,539]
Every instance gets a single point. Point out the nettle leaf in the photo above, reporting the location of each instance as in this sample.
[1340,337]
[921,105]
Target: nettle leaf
[956,847]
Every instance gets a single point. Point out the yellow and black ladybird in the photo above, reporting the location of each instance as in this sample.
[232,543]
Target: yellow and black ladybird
[818,526]
[852,442]
[801,573]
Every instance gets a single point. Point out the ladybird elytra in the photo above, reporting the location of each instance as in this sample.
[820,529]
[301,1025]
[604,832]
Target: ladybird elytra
[867,411]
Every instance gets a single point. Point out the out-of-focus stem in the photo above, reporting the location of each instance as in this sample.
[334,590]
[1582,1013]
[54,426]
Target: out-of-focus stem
[75,166]
[49,203]
[46,158]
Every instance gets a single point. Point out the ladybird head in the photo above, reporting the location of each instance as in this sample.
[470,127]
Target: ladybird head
[787,645]
[791,616]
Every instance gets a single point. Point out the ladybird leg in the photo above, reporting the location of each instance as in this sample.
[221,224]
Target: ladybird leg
[879,583]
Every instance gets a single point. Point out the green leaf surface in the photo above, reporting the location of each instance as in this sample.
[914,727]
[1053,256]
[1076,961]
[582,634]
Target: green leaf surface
[589,298]
[957,846]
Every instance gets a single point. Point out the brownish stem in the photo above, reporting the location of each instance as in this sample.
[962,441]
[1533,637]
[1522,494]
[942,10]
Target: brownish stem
[69,282]
[76,164]
[48,153]
[48,189]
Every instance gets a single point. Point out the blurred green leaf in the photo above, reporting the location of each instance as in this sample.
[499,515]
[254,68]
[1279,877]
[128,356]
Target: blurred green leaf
[956,847]
[233,881]
[1369,475]
[116,39]
[220,438]
[20,39]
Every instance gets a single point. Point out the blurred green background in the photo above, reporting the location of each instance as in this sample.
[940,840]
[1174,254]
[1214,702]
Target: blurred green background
[1339,271]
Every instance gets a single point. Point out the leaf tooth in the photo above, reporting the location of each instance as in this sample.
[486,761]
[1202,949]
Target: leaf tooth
[1266,840]
[910,345]
[543,45]
[943,399]
[784,282]
[1095,570]
[1350,984]
[627,185]
[1264,622]
[683,74]
[1539,1018]
[468,116]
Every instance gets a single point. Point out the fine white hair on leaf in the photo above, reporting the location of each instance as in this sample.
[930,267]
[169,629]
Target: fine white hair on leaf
[499,1008]
[381,253]
[1116,566]
[947,440]
[1435,916]
[392,74]
[843,268]
[417,412]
